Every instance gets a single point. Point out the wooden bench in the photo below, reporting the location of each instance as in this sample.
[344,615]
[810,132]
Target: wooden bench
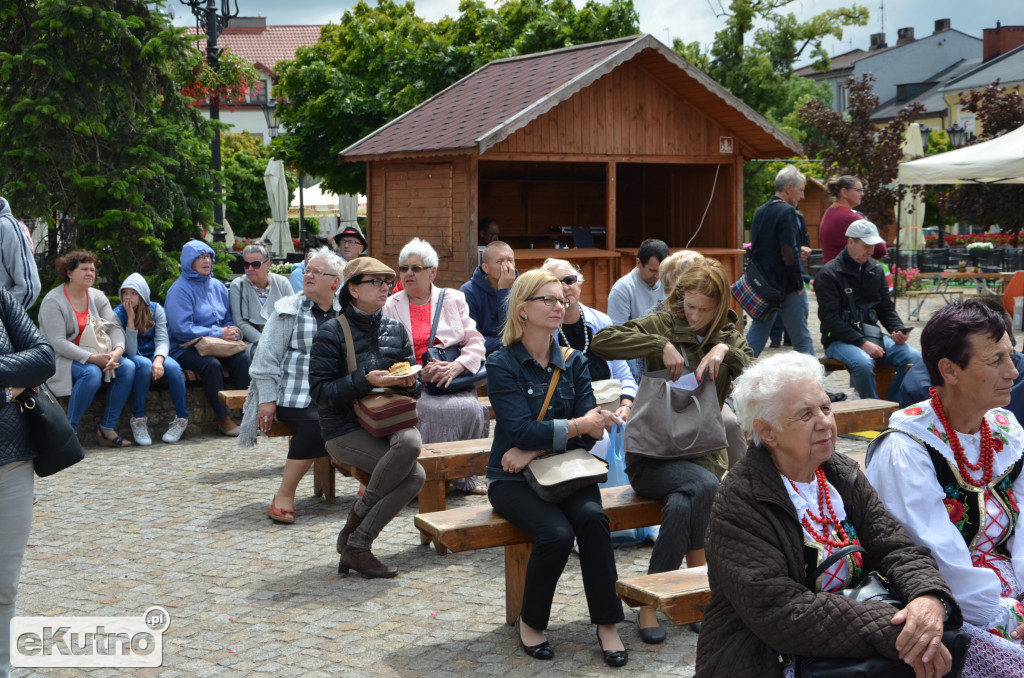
[681,595]
[867,414]
[884,374]
[480,527]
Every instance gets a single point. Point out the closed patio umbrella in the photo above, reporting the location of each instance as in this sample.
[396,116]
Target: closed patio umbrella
[278,233]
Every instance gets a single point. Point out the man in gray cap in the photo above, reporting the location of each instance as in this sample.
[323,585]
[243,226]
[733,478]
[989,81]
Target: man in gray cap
[853,300]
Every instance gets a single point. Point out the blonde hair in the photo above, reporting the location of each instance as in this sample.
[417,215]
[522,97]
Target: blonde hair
[674,265]
[708,277]
[523,288]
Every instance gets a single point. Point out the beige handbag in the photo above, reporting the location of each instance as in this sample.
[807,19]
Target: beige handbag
[215,346]
[607,393]
[96,335]
[557,475]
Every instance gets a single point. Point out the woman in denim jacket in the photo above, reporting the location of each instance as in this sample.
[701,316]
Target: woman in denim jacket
[518,376]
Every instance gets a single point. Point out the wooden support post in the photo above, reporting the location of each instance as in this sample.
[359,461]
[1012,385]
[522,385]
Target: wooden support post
[516,558]
[323,479]
[611,183]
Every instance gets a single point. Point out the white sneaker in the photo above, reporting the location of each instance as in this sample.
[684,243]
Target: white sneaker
[140,432]
[175,430]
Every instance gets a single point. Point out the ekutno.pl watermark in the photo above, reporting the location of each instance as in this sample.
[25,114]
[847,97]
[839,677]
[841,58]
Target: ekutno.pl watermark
[90,642]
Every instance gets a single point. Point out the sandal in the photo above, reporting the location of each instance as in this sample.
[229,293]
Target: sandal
[116,441]
[286,516]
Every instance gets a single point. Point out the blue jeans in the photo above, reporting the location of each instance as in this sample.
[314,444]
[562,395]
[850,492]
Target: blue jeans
[144,377]
[862,366]
[86,379]
[794,316]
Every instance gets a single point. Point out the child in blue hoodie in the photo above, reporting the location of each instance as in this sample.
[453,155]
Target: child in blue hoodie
[147,345]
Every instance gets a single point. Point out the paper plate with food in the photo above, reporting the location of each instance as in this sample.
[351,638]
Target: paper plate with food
[402,370]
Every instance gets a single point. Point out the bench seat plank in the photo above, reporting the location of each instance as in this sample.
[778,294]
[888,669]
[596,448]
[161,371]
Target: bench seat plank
[681,595]
[867,414]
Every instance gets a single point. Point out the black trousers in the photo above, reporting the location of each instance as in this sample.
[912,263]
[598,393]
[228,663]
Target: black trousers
[211,374]
[304,422]
[553,527]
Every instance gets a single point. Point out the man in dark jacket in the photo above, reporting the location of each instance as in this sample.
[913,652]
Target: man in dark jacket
[853,299]
[487,291]
[775,248]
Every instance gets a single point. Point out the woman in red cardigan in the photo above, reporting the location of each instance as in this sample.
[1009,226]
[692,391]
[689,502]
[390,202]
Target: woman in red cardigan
[847,192]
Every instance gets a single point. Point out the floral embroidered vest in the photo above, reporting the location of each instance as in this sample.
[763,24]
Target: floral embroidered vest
[965,503]
[815,555]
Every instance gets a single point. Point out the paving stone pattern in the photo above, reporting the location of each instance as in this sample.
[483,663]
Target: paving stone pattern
[184,527]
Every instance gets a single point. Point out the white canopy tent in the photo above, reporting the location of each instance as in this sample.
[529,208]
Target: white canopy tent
[996,161]
[335,212]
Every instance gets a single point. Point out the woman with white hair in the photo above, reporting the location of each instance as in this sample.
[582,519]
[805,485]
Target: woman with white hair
[427,311]
[779,514]
[254,294]
[578,328]
[279,390]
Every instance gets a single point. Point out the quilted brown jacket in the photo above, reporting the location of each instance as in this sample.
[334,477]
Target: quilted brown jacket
[761,609]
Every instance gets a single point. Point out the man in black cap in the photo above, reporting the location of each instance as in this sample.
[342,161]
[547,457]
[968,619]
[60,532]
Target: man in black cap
[350,242]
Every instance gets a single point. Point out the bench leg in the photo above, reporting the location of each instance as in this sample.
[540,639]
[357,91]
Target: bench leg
[516,558]
[323,479]
[432,499]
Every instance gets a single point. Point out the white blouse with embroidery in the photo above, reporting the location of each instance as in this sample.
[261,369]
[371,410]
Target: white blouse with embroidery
[902,473]
[804,496]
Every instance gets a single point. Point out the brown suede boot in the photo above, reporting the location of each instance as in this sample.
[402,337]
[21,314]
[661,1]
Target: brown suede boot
[351,525]
[365,563]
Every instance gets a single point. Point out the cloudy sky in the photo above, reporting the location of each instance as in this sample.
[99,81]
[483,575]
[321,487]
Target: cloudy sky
[691,19]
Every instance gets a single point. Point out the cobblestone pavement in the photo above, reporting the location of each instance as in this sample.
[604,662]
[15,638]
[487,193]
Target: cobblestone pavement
[184,527]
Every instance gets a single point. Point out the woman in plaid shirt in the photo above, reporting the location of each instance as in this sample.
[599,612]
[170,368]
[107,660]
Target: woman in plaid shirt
[280,386]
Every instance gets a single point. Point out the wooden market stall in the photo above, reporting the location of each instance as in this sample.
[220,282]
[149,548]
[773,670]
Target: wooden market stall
[622,140]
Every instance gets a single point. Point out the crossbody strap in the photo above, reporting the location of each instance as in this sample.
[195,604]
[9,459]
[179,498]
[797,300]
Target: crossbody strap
[350,350]
[437,317]
[566,352]
[832,560]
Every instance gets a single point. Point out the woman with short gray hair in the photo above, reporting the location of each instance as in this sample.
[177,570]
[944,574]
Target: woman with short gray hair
[254,294]
[778,517]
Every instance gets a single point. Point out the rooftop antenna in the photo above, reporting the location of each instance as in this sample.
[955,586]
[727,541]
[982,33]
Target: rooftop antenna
[881,14]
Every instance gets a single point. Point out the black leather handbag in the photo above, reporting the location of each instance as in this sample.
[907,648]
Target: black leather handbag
[50,432]
[464,381]
[874,588]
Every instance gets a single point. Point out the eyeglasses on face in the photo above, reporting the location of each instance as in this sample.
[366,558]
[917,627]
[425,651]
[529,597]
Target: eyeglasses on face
[414,269]
[377,282]
[551,301]
[569,280]
[319,274]
[252,264]
[205,256]
[350,242]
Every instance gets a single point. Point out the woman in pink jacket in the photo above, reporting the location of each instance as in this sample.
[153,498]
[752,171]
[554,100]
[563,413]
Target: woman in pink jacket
[456,414]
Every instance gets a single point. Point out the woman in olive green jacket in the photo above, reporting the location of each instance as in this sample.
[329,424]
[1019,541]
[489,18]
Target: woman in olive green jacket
[699,330]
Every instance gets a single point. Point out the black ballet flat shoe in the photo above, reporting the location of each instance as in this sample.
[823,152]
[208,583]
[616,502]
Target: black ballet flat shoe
[652,635]
[613,658]
[695,627]
[541,651]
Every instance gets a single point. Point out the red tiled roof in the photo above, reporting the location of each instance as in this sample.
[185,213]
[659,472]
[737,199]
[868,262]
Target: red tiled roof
[503,96]
[265,46]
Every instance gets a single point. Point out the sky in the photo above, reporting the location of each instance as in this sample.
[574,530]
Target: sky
[691,19]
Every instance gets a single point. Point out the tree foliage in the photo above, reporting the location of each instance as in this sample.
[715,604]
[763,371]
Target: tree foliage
[245,159]
[380,61]
[94,129]
[754,64]
[999,110]
[856,145]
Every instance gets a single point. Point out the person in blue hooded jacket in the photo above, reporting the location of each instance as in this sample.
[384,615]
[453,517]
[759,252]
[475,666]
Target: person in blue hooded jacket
[146,345]
[198,306]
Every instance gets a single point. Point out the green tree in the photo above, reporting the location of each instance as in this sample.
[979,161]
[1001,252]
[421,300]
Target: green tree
[94,130]
[754,64]
[245,159]
[854,144]
[380,61]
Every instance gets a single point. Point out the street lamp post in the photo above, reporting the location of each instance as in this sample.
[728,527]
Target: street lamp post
[213,23]
[957,135]
[274,129]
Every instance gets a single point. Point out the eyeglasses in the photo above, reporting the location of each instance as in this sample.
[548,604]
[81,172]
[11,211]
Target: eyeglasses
[569,280]
[319,274]
[377,282]
[350,241]
[414,269]
[551,301]
[252,264]
[858,190]
[205,256]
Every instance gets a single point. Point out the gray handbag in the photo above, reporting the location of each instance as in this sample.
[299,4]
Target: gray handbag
[668,422]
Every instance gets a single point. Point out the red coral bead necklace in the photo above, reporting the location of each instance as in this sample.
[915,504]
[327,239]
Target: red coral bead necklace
[987,458]
[824,506]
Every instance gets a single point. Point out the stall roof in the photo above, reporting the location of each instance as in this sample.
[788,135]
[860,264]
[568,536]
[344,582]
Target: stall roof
[496,100]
